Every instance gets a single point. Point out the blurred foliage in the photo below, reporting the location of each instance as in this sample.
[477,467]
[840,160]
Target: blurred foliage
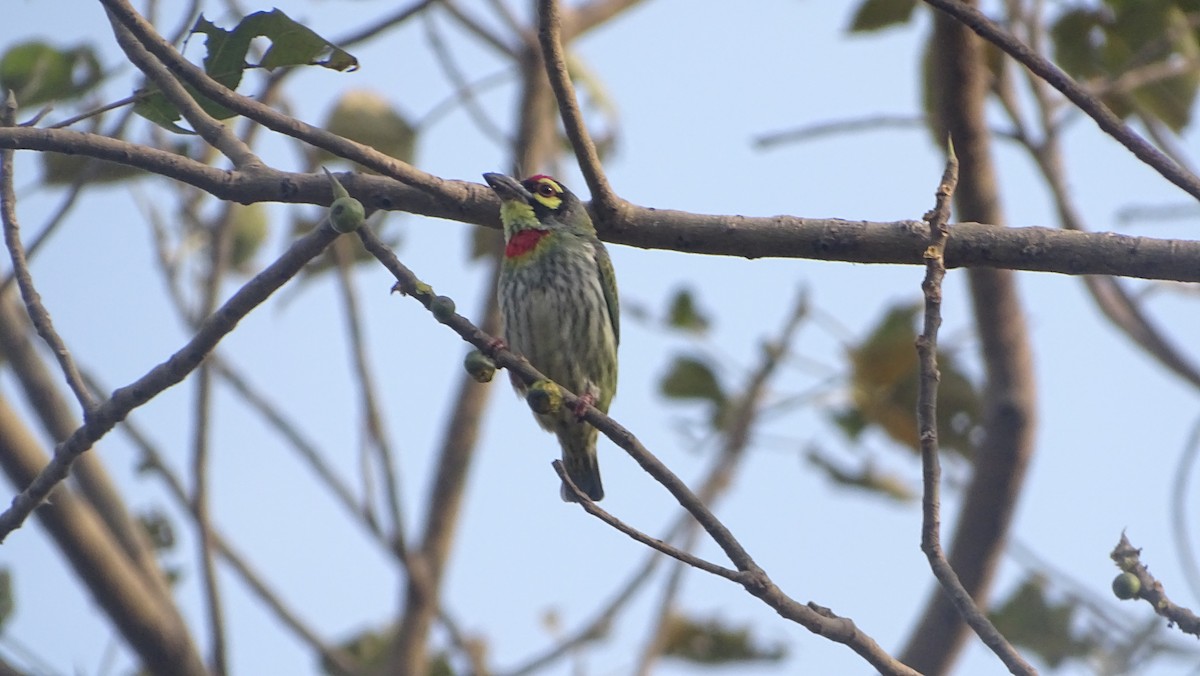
[370,650]
[250,225]
[1142,57]
[37,73]
[884,379]
[158,529]
[1031,621]
[693,378]
[868,478]
[873,15]
[8,602]
[1149,48]
[292,44]
[368,118]
[60,169]
[712,641]
[684,315]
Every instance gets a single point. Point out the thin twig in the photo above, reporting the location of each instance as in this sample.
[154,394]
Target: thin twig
[1128,559]
[154,461]
[812,131]
[604,200]
[146,35]
[753,579]
[211,130]
[1182,532]
[931,538]
[376,430]
[177,367]
[1089,104]
[654,543]
[736,438]
[33,300]
[219,242]
[463,89]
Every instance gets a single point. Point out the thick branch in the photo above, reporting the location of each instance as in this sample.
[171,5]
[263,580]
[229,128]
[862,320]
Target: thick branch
[828,239]
[152,630]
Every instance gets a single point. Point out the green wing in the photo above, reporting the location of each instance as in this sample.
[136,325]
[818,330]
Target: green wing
[608,281]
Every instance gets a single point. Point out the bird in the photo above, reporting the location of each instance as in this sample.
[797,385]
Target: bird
[558,300]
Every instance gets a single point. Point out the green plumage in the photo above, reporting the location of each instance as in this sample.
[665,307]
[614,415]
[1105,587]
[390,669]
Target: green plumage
[558,299]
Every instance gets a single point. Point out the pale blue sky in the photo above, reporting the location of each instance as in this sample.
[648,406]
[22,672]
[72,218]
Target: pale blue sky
[694,82]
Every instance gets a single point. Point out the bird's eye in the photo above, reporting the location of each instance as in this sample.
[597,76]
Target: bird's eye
[546,190]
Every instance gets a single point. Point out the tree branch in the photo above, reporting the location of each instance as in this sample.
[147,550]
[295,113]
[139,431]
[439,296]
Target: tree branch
[819,620]
[1031,248]
[604,200]
[33,300]
[1128,558]
[1107,120]
[931,539]
[166,374]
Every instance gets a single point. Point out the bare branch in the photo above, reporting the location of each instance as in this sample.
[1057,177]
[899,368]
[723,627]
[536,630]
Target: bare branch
[604,200]
[653,543]
[152,627]
[1128,559]
[931,538]
[211,130]
[829,239]
[166,374]
[33,300]
[819,620]
[1089,104]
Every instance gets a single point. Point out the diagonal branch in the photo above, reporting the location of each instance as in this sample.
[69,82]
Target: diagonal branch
[654,543]
[172,371]
[210,129]
[1107,120]
[604,200]
[816,619]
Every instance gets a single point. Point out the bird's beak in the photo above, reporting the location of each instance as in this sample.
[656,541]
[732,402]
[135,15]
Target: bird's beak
[507,188]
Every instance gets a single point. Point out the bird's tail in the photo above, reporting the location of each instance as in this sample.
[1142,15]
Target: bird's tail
[579,459]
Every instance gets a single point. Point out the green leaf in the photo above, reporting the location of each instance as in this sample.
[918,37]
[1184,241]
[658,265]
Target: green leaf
[37,72]
[690,378]
[713,641]
[684,315]
[874,15]
[1030,620]
[292,44]
[368,118]
[884,385]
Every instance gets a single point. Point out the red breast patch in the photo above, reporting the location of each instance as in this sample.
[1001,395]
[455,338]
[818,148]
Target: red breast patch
[523,242]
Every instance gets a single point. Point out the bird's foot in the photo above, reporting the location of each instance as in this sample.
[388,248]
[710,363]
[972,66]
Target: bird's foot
[495,345]
[581,404]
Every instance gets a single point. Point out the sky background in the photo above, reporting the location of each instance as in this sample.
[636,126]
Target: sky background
[694,84]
